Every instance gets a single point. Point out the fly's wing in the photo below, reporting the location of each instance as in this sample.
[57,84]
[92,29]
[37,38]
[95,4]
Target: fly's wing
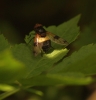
[37,46]
[56,39]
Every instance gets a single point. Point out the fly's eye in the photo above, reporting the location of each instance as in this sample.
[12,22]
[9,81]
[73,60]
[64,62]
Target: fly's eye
[41,30]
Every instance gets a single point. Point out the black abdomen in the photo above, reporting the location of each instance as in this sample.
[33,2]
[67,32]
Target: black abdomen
[46,45]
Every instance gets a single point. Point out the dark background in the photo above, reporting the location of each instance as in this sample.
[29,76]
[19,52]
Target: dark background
[17,19]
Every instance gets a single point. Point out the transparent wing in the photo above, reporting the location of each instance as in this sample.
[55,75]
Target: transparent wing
[36,46]
[56,39]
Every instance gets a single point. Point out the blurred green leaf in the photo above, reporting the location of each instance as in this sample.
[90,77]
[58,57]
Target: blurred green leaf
[6,87]
[8,93]
[55,79]
[3,43]
[31,90]
[10,68]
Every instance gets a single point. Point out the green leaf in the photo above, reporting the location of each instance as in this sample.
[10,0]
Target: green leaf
[24,54]
[3,43]
[10,68]
[36,65]
[6,87]
[55,79]
[8,93]
[87,36]
[37,92]
[83,61]
[46,62]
